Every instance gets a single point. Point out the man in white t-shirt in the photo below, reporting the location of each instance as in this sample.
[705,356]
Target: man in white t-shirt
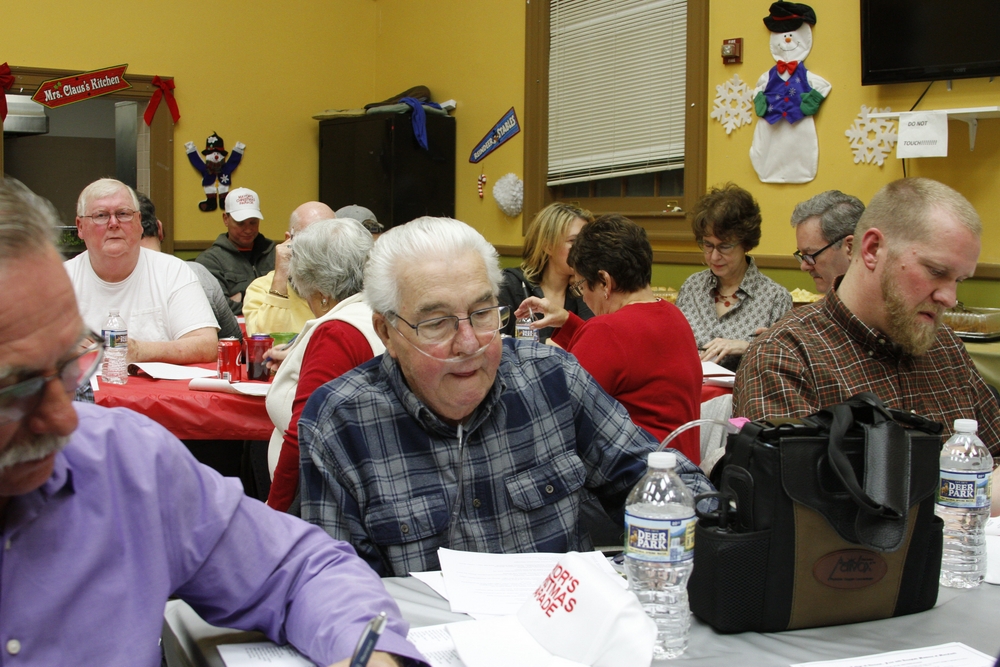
[159,297]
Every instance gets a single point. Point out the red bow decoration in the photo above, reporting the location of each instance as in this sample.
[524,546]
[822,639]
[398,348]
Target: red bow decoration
[787,67]
[6,81]
[163,89]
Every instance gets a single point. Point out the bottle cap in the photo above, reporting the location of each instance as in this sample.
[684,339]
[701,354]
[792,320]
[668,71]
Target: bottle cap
[966,426]
[662,460]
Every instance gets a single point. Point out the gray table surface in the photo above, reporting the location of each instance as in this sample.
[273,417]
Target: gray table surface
[959,616]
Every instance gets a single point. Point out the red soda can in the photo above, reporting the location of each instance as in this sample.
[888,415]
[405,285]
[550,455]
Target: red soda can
[256,347]
[229,359]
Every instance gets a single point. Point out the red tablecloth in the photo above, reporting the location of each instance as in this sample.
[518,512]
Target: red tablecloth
[190,415]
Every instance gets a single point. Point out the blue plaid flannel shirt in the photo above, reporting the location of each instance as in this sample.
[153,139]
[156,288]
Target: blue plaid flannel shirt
[380,470]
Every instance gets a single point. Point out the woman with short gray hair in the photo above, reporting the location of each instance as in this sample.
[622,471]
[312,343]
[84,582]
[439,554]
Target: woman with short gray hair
[327,269]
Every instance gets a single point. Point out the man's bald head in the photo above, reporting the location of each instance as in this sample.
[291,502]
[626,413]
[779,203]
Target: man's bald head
[308,213]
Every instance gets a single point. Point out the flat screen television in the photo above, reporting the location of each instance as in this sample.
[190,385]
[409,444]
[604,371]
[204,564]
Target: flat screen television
[929,40]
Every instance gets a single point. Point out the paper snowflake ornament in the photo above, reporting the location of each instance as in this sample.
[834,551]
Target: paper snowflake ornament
[509,193]
[872,139]
[732,104]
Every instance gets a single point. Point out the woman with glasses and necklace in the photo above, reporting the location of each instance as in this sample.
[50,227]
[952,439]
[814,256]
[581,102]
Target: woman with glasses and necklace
[639,348]
[544,272]
[327,270]
[731,301]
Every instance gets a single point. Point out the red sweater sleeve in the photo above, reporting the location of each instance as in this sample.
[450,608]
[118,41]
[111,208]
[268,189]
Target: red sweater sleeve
[598,349]
[334,348]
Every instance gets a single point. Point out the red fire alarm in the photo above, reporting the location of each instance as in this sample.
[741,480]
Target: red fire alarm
[732,51]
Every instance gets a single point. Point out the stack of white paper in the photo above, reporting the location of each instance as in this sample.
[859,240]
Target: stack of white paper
[483,585]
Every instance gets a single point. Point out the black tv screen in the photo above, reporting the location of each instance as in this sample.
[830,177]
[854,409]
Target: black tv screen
[929,40]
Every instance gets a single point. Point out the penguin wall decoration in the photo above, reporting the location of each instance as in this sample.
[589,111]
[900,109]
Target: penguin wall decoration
[785,148]
[215,167]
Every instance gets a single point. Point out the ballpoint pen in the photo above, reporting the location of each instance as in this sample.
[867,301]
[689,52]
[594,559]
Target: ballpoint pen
[369,636]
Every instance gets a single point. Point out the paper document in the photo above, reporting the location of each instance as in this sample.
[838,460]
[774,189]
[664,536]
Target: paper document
[163,371]
[436,644]
[716,376]
[922,134]
[215,384]
[433,579]
[498,584]
[479,644]
[262,654]
[711,369]
[932,656]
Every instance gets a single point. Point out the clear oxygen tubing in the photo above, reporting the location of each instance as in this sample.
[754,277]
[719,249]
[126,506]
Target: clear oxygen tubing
[729,426]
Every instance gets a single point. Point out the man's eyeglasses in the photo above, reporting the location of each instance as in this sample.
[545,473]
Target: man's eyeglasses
[810,258]
[19,400]
[576,289]
[104,217]
[723,248]
[439,330]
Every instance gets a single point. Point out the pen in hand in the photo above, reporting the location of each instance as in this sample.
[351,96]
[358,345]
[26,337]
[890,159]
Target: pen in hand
[369,637]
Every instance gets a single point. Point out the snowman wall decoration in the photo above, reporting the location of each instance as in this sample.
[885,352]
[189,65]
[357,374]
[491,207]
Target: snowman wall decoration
[785,148]
[215,167]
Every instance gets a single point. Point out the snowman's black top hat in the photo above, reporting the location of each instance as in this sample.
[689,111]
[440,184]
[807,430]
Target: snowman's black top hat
[214,144]
[788,16]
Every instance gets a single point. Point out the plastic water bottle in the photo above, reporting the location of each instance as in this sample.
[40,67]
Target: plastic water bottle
[659,551]
[115,368]
[963,502]
[523,330]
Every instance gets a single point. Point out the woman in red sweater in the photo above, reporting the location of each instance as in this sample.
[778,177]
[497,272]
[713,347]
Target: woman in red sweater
[640,349]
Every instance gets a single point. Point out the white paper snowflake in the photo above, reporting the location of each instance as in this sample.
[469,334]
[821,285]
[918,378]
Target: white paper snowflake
[872,139]
[732,104]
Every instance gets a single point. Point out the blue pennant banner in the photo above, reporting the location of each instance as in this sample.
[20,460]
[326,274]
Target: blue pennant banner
[506,128]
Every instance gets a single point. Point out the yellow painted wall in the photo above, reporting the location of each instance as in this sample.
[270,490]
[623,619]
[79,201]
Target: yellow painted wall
[836,56]
[254,71]
[472,52]
[258,75]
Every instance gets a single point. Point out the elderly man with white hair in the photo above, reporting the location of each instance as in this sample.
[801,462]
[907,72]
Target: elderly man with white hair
[160,298]
[454,437]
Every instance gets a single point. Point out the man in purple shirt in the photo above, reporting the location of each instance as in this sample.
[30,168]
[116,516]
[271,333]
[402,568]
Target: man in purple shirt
[104,514]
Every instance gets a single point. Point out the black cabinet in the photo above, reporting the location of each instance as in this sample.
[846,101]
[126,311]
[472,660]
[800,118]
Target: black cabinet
[376,162]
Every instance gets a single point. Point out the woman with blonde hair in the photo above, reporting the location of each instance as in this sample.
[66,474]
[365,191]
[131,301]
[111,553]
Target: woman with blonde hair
[544,272]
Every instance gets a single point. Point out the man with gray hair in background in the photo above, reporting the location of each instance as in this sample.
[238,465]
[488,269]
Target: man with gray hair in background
[456,438]
[271,304]
[880,330]
[824,233]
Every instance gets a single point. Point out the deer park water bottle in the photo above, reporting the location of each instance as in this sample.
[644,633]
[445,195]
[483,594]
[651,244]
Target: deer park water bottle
[523,330]
[115,368]
[963,503]
[659,551]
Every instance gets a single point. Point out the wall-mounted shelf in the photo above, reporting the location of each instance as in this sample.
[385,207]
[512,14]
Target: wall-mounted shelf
[970,115]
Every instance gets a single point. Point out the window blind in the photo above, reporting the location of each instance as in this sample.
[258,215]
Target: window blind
[616,88]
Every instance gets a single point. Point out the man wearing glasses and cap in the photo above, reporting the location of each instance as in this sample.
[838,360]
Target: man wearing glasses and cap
[104,515]
[454,437]
[164,307]
[824,232]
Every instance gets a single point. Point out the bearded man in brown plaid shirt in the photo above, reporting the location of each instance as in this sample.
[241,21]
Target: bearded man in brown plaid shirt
[880,330]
